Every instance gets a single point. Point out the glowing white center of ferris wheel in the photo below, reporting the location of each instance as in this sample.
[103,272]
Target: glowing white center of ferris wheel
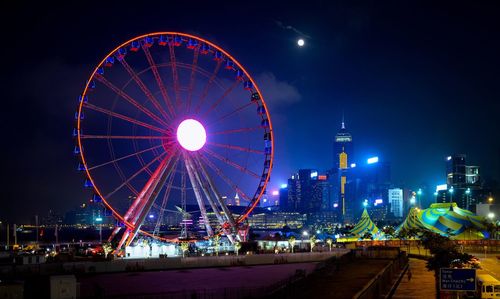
[191,135]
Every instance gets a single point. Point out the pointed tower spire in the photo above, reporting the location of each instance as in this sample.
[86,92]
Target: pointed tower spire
[343,123]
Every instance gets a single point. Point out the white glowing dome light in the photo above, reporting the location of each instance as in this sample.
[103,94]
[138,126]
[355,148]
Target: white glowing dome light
[191,135]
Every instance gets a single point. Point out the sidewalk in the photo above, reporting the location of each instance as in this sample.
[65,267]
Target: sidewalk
[421,285]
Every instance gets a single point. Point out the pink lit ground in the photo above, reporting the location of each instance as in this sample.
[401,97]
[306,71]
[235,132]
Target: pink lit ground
[173,281]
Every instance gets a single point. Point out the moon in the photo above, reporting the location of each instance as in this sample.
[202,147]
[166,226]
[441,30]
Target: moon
[301,42]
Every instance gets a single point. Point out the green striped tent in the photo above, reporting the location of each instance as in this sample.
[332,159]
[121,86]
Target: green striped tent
[412,221]
[446,219]
[365,225]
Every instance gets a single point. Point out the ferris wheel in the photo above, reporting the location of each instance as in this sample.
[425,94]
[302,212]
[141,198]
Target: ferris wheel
[169,119]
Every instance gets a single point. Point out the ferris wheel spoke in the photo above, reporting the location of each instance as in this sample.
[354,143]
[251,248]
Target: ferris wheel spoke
[209,83]
[142,205]
[220,99]
[204,185]
[129,99]
[236,131]
[217,197]
[162,210]
[144,89]
[123,117]
[225,178]
[127,181]
[175,76]
[194,65]
[151,189]
[125,157]
[231,163]
[232,113]
[234,147]
[159,81]
[124,137]
[136,148]
[197,193]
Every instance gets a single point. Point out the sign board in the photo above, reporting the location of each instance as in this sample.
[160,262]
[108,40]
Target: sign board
[457,279]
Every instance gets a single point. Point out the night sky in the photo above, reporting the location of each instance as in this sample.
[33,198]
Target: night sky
[416,82]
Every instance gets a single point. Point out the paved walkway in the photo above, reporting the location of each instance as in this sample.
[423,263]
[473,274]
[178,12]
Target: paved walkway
[421,284]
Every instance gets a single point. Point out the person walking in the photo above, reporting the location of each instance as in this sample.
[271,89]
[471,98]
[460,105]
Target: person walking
[409,274]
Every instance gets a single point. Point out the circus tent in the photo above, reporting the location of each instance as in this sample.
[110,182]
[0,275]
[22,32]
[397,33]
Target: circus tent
[365,225]
[446,219]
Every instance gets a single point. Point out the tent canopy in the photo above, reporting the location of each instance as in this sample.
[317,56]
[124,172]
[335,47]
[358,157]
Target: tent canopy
[365,225]
[446,219]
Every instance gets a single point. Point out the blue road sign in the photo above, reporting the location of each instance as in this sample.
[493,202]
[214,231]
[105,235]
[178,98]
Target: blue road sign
[457,279]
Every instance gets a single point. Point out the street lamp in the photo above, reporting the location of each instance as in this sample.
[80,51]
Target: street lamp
[451,193]
[99,220]
[490,199]
[412,199]
[419,193]
[467,193]
[304,234]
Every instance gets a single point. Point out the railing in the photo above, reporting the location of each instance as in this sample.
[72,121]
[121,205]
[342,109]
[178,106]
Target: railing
[378,285]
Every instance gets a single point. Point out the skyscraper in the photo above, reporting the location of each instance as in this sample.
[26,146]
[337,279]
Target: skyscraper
[463,182]
[396,202]
[343,143]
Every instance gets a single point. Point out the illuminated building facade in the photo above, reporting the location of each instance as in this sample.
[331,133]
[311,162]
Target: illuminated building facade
[310,193]
[342,144]
[367,182]
[463,182]
[277,220]
[396,202]
[342,155]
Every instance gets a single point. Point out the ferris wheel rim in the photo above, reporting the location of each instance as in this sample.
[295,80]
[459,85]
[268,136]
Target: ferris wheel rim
[118,215]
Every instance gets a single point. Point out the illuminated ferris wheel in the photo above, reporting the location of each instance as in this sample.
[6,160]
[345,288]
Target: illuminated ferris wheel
[167,120]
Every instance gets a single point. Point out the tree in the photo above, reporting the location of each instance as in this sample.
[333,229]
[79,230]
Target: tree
[313,242]
[237,247]
[445,254]
[107,248]
[491,228]
[184,248]
[367,236]
[216,240]
[329,241]
[292,241]
[413,233]
[389,231]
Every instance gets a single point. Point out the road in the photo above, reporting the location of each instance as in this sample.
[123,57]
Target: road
[489,264]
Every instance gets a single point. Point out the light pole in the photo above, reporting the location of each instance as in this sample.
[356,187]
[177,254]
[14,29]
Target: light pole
[419,193]
[491,216]
[467,193]
[99,220]
[304,234]
[451,194]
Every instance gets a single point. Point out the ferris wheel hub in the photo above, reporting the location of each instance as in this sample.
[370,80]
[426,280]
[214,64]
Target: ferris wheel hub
[191,135]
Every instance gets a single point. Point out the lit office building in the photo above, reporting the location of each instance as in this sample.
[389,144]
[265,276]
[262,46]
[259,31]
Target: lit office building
[396,202]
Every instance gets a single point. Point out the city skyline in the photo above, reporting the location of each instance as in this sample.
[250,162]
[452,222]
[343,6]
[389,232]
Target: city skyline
[413,120]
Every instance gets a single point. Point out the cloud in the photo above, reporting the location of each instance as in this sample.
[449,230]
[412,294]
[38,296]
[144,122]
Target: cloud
[276,92]
[288,27]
